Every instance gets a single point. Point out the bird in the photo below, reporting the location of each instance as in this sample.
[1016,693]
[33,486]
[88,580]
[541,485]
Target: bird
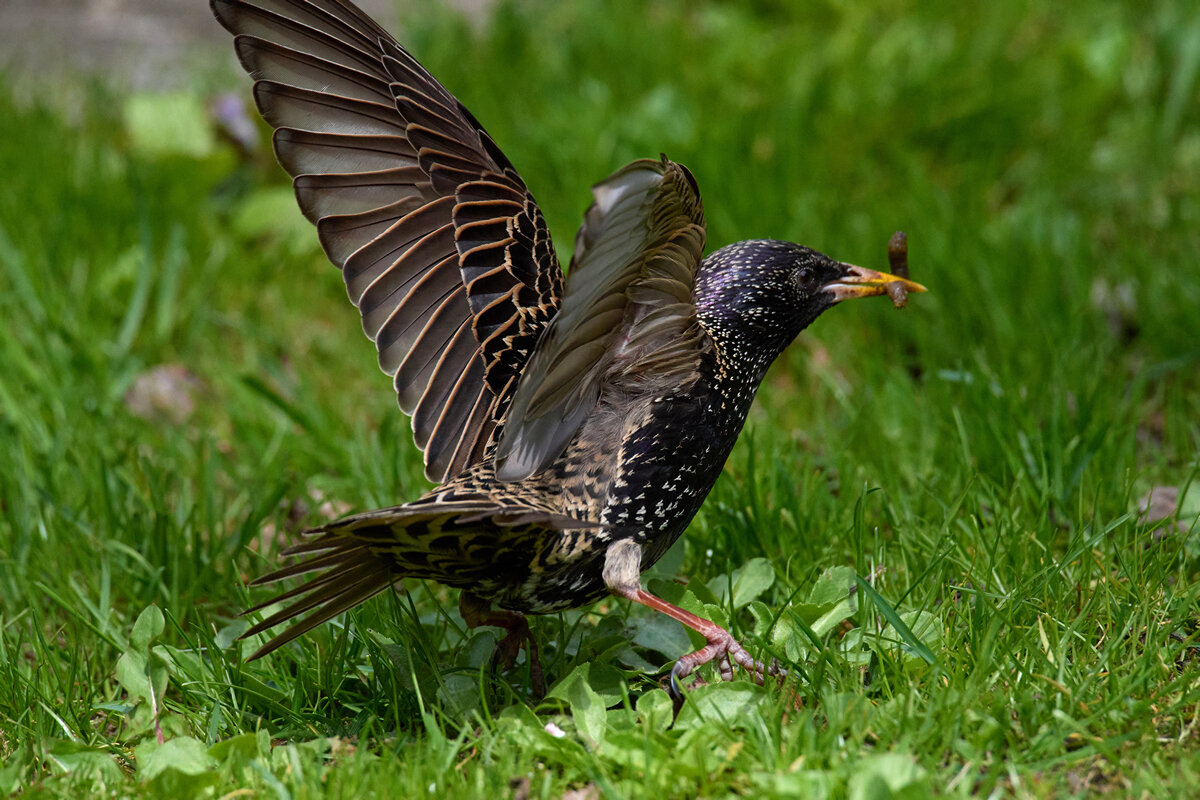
[572,424]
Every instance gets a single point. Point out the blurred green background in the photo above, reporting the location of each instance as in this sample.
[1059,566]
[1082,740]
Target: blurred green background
[183,386]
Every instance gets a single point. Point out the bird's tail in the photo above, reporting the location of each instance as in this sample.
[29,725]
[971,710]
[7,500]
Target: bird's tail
[351,573]
[360,556]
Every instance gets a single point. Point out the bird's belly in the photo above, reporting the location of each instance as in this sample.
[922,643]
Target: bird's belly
[564,573]
[656,475]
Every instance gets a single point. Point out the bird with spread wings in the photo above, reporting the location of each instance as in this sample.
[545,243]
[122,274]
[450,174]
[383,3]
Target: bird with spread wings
[574,425]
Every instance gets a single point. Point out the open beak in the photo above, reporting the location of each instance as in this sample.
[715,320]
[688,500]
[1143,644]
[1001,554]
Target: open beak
[863,282]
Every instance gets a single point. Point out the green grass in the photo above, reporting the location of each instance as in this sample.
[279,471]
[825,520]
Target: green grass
[977,460]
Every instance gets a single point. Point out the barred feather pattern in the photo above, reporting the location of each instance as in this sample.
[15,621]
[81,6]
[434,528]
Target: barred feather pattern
[442,247]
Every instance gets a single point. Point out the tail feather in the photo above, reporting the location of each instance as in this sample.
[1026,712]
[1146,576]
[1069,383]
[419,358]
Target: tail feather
[339,555]
[331,576]
[343,601]
[304,548]
[354,575]
[358,557]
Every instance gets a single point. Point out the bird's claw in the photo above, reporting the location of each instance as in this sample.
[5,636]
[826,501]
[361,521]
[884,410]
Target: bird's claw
[504,657]
[726,651]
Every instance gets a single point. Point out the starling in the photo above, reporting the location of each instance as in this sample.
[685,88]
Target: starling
[573,425]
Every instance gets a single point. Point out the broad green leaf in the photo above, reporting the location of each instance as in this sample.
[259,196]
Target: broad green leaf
[148,626]
[887,775]
[764,618]
[636,752]
[480,648]
[589,712]
[702,593]
[243,746]
[748,582]
[227,636]
[141,669]
[927,627]
[786,632]
[632,661]
[669,590]
[407,673]
[670,565]
[808,784]
[854,650]
[731,703]
[835,616]
[829,602]
[459,693]
[182,754]
[188,664]
[72,756]
[12,774]
[685,599]
[660,633]
[831,587]
[656,710]
[604,679]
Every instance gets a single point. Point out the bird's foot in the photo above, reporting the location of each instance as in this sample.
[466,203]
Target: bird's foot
[622,563]
[476,612]
[726,651]
[507,649]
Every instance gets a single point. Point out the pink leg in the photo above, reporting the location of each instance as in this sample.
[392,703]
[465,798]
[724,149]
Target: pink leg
[721,646]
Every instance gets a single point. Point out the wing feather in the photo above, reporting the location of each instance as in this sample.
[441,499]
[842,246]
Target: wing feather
[316,72]
[426,347]
[308,153]
[379,151]
[356,192]
[342,236]
[627,313]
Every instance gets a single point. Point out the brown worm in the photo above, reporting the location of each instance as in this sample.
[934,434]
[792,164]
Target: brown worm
[898,265]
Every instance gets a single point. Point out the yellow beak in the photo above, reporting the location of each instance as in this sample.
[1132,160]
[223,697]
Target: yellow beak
[863,282]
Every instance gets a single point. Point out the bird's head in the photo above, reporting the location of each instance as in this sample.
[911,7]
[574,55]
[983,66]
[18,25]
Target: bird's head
[754,297]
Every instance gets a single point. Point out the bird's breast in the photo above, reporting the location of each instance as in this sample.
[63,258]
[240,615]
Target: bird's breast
[665,462]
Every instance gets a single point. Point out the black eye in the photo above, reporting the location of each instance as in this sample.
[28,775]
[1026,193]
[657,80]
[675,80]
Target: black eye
[806,279]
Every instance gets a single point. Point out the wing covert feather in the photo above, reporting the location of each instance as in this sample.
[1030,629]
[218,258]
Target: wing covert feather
[627,314]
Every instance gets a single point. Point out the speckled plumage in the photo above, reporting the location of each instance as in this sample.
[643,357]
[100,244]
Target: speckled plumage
[574,426]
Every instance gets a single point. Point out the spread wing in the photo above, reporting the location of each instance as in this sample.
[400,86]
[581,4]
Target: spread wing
[627,314]
[442,247]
